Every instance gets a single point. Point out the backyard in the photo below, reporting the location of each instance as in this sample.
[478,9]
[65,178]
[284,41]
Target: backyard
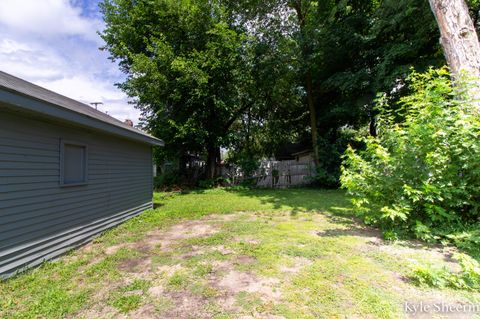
[220,253]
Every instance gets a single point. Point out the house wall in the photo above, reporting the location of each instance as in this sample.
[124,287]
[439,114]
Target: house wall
[305,158]
[39,219]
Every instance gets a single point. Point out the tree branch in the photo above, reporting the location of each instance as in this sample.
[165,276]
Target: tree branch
[237,114]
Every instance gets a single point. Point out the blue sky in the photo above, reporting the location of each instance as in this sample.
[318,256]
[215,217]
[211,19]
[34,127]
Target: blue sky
[54,43]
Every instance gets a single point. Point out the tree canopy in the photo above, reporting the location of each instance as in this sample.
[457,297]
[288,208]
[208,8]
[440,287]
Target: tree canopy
[253,76]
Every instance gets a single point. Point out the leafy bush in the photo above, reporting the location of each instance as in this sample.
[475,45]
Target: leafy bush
[166,180]
[238,188]
[245,162]
[248,166]
[331,147]
[466,238]
[421,174]
[213,182]
[468,278]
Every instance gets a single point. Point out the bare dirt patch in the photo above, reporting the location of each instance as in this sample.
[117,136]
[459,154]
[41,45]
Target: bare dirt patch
[156,291]
[102,312]
[187,305]
[235,281]
[168,270]
[242,260]
[413,252]
[226,280]
[247,240]
[164,238]
[141,266]
[147,311]
[298,263]
[136,265]
[195,250]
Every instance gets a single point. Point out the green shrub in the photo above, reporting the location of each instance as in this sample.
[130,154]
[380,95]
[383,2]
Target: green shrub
[330,150]
[421,174]
[467,238]
[248,164]
[166,180]
[213,182]
[468,278]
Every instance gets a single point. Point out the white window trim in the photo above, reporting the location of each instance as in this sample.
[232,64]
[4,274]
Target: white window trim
[62,154]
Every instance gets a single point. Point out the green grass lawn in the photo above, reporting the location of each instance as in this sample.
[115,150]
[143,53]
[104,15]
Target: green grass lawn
[225,254]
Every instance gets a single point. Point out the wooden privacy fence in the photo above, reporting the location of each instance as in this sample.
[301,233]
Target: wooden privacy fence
[276,174]
[284,174]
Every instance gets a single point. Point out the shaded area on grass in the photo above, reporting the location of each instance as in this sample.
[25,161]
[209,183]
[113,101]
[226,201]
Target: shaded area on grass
[294,200]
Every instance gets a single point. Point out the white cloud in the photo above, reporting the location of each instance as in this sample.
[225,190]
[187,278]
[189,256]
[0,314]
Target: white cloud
[8,46]
[88,90]
[27,60]
[51,44]
[46,18]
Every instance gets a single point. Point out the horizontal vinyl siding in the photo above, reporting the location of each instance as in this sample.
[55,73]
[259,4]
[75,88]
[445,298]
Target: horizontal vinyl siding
[35,252]
[39,219]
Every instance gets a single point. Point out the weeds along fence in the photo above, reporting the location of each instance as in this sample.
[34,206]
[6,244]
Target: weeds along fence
[276,174]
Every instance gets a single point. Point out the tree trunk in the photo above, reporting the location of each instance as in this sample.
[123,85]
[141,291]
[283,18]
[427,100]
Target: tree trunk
[218,169]
[457,35]
[459,41]
[211,165]
[313,118]
[297,6]
[182,166]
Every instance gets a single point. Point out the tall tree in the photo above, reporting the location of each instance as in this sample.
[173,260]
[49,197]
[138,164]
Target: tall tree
[184,64]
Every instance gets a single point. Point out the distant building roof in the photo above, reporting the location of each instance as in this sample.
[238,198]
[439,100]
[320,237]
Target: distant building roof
[288,150]
[14,91]
[304,152]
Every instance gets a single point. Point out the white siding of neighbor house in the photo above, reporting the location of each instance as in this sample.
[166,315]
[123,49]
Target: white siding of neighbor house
[40,219]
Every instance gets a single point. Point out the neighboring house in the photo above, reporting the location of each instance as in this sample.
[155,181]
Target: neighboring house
[305,156]
[67,173]
[290,151]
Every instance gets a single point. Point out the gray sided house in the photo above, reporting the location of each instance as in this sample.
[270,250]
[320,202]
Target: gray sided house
[67,173]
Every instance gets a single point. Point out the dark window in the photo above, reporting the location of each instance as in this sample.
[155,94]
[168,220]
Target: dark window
[73,166]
